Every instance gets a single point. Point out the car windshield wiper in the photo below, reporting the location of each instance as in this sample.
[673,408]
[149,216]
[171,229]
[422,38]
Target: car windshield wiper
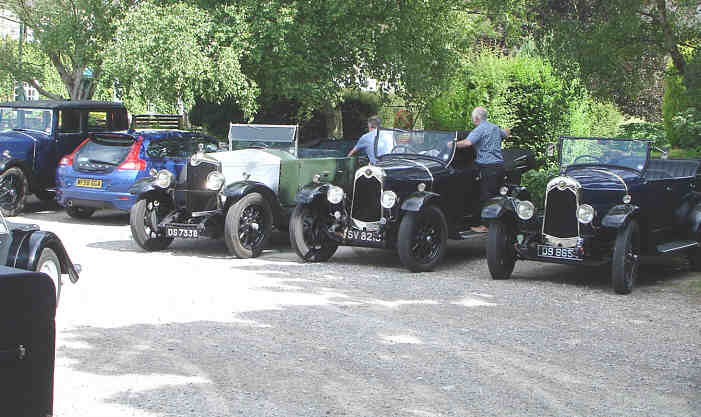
[97,161]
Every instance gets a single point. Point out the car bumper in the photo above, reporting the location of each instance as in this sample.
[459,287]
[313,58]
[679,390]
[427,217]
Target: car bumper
[589,251]
[95,199]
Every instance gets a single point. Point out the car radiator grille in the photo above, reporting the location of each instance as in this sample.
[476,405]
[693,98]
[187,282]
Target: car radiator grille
[366,199]
[561,214]
[197,197]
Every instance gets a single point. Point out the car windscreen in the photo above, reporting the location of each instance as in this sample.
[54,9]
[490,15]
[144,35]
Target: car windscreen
[29,119]
[104,150]
[415,143]
[625,153]
[280,137]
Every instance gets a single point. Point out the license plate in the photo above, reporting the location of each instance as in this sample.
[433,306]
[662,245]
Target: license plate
[89,182]
[182,232]
[363,236]
[558,253]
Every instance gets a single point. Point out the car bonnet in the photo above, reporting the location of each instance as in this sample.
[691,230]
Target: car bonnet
[251,165]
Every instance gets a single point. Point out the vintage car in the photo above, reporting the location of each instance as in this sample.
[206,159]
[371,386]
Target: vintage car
[35,135]
[25,246]
[240,194]
[611,202]
[420,193]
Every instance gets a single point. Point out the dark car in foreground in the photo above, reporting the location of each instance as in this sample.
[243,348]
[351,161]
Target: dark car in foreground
[98,174]
[419,194]
[611,203]
[35,135]
[25,246]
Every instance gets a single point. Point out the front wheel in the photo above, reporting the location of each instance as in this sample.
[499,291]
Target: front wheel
[626,253]
[144,217]
[13,191]
[249,224]
[307,236]
[50,265]
[501,255]
[423,239]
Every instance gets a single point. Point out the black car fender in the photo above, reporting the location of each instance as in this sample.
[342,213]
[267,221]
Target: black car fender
[416,201]
[619,216]
[237,190]
[145,186]
[310,193]
[498,207]
[28,251]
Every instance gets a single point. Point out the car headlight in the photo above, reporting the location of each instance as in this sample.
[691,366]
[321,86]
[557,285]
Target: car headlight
[334,194]
[504,190]
[585,213]
[525,210]
[389,199]
[163,178]
[215,180]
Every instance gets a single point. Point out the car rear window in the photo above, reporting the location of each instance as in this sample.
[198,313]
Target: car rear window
[104,150]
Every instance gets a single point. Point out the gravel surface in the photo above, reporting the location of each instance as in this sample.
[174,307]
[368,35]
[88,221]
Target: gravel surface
[189,331]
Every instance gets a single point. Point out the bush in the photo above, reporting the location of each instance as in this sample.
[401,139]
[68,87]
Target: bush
[687,125]
[675,101]
[592,118]
[536,180]
[644,130]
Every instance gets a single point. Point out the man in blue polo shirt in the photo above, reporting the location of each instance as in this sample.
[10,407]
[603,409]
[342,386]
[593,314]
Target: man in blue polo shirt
[367,141]
[486,139]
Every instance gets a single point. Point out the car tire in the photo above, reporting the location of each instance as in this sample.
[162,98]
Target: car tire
[308,241]
[44,195]
[80,212]
[13,191]
[141,218]
[501,255]
[423,239]
[249,224]
[49,264]
[626,257]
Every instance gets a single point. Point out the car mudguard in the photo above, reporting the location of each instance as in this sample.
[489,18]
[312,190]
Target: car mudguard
[237,190]
[417,200]
[497,207]
[144,186]
[29,250]
[311,192]
[619,216]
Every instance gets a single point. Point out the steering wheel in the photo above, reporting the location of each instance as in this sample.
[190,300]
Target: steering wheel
[403,148]
[596,158]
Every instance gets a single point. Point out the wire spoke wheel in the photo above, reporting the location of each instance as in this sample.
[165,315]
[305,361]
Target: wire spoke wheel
[13,190]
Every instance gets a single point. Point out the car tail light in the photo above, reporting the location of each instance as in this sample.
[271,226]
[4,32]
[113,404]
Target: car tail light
[132,161]
[67,160]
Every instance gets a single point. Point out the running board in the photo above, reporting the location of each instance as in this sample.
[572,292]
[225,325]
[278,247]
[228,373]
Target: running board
[469,234]
[676,246]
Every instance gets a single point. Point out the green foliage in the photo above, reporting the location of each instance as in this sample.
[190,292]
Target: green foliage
[687,124]
[675,101]
[356,108]
[590,117]
[177,52]
[535,182]
[644,130]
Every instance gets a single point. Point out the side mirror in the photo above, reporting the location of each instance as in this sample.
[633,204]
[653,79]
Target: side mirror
[550,150]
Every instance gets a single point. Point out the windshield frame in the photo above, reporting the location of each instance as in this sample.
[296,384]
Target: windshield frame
[604,165]
[275,145]
[443,162]
[51,122]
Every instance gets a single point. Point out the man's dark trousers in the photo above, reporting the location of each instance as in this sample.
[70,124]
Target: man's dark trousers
[491,178]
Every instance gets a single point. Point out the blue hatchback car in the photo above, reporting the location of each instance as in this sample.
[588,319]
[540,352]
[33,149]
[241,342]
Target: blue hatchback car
[99,172]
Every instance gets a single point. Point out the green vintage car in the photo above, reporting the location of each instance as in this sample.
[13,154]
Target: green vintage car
[240,192]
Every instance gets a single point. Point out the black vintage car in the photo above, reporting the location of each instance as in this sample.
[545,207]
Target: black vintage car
[420,193]
[24,246]
[35,135]
[611,203]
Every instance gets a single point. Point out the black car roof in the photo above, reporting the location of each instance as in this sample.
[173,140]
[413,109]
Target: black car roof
[68,104]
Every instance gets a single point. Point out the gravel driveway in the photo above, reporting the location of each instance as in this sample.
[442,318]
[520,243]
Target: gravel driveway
[192,332]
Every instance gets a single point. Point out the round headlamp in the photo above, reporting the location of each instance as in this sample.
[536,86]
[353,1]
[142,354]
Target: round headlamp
[627,199]
[585,213]
[334,194]
[504,190]
[163,178]
[525,210]
[215,181]
[389,199]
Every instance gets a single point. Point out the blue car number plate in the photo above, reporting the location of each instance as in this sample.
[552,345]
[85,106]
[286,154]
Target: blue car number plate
[363,236]
[182,232]
[545,251]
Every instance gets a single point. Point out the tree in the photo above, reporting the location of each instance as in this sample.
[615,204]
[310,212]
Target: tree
[72,34]
[177,52]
